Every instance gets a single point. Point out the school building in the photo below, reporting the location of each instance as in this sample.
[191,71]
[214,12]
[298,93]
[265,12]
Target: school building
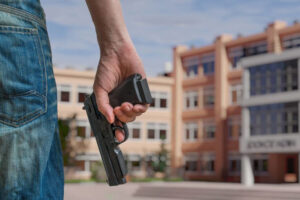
[228,111]
[146,133]
[253,79]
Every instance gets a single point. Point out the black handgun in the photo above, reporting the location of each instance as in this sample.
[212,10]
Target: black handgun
[134,90]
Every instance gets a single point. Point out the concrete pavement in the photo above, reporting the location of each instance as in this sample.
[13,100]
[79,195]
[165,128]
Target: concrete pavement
[181,191]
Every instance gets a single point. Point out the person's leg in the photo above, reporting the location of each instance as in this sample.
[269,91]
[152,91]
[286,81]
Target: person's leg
[31,164]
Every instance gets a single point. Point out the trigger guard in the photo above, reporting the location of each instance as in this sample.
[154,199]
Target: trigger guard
[122,128]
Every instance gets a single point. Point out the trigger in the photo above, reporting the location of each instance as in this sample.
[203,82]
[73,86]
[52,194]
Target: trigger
[114,128]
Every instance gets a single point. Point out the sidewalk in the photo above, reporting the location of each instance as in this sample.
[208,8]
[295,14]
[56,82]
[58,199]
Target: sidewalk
[182,191]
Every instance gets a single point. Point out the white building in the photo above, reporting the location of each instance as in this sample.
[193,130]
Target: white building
[270,116]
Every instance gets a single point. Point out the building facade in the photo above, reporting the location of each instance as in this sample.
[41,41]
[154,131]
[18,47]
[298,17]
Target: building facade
[146,133]
[208,120]
[270,142]
[229,112]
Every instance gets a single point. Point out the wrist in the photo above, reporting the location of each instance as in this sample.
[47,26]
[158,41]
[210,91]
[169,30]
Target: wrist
[116,46]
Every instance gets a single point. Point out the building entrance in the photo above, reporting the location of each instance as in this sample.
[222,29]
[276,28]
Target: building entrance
[291,167]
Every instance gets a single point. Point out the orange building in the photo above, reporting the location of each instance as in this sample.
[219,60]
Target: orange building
[207,98]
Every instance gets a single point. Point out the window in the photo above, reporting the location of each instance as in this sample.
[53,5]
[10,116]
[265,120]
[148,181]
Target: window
[65,96]
[274,119]
[150,159]
[191,131]
[81,97]
[260,164]
[274,78]
[133,162]
[151,133]
[134,129]
[191,66]
[291,41]
[192,71]
[290,165]
[191,99]
[191,166]
[207,163]
[209,130]
[80,165]
[236,94]
[83,129]
[162,134]
[82,92]
[63,93]
[163,102]
[255,49]
[208,96]
[234,166]
[135,133]
[234,127]
[234,163]
[160,100]
[208,63]
[191,162]
[157,131]
[236,53]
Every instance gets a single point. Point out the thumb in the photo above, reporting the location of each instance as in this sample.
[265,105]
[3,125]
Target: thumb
[104,107]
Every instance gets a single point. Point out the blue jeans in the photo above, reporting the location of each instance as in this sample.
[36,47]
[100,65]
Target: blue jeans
[31,165]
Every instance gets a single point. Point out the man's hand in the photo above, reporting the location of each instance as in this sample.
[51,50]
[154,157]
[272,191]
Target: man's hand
[114,67]
[118,60]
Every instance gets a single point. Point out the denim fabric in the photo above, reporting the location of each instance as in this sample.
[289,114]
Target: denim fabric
[31,164]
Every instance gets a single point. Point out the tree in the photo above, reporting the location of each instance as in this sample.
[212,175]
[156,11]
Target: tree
[160,165]
[65,139]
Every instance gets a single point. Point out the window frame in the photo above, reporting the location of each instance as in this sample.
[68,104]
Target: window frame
[238,87]
[260,158]
[208,91]
[64,88]
[234,120]
[88,130]
[157,96]
[208,124]
[135,125]
[291,39]
[191,127]
[188,62]
[208,59]
[157,127]
[205,159]
[234,156]
[133,158]
[191,96]
[83,89]
[281,110]
[191,157]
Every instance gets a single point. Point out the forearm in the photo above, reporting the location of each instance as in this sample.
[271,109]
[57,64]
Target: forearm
[118,60]
[109,23]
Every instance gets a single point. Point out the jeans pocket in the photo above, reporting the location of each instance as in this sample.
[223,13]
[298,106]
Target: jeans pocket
[22,75]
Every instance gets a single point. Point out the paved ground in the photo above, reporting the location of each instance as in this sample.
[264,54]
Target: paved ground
[181,191]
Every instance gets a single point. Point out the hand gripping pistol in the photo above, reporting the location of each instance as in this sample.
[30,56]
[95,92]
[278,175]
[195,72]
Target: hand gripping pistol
[134,90]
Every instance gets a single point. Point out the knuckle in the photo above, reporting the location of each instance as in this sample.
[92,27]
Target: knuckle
[131,119]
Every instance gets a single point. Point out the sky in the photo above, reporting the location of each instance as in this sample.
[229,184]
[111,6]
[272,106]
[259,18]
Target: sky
[156,26]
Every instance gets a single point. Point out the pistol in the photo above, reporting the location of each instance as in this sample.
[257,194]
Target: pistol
[134,90]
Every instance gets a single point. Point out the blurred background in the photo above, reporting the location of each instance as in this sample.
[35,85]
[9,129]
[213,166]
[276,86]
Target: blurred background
[224,78]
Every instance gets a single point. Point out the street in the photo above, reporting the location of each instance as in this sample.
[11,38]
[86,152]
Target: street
[182,191]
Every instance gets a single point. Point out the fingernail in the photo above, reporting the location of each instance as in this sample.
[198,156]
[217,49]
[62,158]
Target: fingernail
[127,108]
[111,120]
